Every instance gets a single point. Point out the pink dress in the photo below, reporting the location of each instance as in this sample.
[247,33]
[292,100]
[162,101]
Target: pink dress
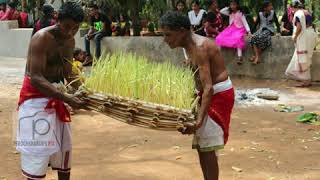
[234,35]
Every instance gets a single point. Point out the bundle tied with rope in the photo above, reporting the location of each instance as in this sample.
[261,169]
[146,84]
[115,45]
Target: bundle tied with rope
[134,90]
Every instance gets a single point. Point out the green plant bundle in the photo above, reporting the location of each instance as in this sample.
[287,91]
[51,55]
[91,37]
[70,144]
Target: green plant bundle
[134,77]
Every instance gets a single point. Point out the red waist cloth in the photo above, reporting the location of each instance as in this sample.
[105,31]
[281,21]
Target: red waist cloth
[29,92]
[220,110]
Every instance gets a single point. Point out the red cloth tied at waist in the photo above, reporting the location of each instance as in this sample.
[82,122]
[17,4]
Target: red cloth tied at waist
[220,110]
[29,92]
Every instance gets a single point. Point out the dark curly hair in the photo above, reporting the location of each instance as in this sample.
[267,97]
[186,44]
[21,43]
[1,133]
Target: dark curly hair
[174,21]
[71,10]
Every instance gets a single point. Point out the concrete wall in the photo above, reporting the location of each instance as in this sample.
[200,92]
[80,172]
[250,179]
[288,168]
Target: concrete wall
[14,43]
[274,61]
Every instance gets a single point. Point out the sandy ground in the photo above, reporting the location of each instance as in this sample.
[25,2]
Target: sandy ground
[266,145]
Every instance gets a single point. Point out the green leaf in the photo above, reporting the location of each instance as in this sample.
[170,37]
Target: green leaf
[307,117]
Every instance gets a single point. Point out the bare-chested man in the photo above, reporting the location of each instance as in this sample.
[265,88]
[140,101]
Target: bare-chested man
[43,134]
[213,85]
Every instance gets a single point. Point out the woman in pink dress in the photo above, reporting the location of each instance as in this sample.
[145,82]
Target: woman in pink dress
[234,35]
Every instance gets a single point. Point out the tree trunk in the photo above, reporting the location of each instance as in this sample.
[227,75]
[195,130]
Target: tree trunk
[173,3]
[135,18]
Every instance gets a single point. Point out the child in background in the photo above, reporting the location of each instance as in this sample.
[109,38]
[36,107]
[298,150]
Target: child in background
[261,39]
[209,26]
[196,16]
[79,57]
[3,7]
[213,21]
[234,35]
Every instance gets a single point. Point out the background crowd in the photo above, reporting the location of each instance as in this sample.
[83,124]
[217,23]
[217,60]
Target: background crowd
[231,24]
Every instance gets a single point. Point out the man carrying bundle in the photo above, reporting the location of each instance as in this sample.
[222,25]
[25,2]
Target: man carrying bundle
[213,85]
[43,134]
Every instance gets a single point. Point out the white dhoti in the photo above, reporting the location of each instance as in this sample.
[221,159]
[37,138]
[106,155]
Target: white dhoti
[42,139]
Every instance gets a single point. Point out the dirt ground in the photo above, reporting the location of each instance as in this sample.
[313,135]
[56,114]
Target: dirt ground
[266,145]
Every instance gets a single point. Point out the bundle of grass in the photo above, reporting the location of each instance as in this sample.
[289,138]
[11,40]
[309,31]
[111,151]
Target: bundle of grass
[132,89]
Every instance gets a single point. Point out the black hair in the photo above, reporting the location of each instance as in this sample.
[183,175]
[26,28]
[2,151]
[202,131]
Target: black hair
[211,17]
[47,9]
[71,10]
[197,2]
[76,52]
[12,4]
[210,2]
[238,3]
[180,2]
[265,4]
[174,21]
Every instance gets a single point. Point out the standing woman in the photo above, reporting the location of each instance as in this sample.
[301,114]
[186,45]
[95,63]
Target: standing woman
[181,6]
[305,39]
[196,16]
[262,38]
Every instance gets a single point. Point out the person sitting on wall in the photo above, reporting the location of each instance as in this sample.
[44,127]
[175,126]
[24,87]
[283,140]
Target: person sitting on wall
[124,25]
[100,27]
[196,16]
[287,25]
[10,13]
[181,7]
[3,7]
[213,21]
[46,20]
[23,19]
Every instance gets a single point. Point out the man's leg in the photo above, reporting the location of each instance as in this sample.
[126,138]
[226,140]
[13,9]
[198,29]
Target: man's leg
[63,175]
[210,164]
[87,45]
[97,40]
[203,165]
[61,161]
[34,167]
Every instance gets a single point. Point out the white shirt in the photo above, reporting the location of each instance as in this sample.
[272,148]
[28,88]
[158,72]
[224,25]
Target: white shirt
[195,20]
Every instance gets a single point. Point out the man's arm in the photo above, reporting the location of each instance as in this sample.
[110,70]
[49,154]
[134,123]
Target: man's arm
[206,81]
[38,57]
[69,74]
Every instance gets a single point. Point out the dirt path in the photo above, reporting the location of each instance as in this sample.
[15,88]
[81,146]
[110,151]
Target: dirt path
[266,145]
